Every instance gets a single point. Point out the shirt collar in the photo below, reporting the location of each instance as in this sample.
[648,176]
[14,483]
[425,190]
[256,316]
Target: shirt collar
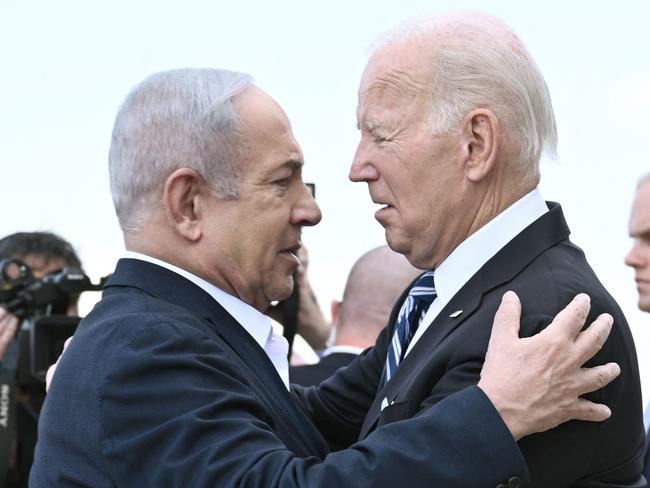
[342,348]
[252,320]
[456,270]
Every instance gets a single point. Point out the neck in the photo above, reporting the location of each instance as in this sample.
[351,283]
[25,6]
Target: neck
[225,276]
[352,340]
[487,202]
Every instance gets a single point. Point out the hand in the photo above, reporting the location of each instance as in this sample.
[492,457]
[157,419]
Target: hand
[52,369]
[8,326]
[535,383]
[312,325]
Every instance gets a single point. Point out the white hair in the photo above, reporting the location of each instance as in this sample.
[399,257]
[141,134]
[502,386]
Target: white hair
[477,61]
[174,119]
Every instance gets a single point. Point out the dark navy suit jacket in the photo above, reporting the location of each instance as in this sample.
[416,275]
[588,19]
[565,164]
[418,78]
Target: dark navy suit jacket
[162,387]
[313,374]
[546,270]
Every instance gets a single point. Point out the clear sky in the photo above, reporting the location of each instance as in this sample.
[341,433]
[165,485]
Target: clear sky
[67,65]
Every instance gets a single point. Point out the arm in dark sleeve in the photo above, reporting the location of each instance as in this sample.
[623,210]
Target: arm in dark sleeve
[560,456]
[177,412]
[339,404]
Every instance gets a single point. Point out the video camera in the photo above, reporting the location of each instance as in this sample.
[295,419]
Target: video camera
[42,304]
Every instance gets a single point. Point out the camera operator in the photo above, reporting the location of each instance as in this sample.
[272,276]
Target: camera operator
[43,253]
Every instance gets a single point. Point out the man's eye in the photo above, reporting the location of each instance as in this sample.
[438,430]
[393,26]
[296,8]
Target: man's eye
[378,139]
[283,183]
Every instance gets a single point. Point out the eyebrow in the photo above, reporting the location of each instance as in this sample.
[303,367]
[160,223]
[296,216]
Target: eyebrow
[295,163]
[641,233]
[369,125]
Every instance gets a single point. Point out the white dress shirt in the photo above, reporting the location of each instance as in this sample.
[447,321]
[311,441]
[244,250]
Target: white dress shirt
[464,261]
[345,349]
[252,320]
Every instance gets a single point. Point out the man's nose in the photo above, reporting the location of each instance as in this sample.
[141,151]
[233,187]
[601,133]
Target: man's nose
[307,212]
[362,169]
[634,258]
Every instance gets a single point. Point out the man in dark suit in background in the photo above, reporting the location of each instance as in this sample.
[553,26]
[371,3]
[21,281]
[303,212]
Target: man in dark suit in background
[176,377]
[639,259]
[454,115]
[375,281]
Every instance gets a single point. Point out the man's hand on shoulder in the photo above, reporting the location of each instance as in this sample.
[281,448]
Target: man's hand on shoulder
[535,383]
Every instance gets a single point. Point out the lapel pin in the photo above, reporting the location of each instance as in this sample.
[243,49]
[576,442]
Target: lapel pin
[384,404]
[455,314]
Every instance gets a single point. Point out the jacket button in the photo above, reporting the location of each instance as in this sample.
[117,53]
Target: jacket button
[514,482]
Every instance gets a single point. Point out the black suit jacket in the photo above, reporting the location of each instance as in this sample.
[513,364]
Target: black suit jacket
[162,387]
[546,270]
[313,374]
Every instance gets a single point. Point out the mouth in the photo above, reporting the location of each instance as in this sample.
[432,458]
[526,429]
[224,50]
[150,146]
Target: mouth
[292,253]
[380,202]
[382,214]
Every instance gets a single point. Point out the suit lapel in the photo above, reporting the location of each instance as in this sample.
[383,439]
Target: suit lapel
[468,300]
[542,234]
[173,288]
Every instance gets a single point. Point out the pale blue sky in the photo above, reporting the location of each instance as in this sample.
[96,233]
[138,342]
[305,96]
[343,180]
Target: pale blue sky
[67,65]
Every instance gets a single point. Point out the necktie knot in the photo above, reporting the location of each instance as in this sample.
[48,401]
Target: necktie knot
[423,289]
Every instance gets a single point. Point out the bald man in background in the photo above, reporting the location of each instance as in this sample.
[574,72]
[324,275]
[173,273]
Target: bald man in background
[375,282]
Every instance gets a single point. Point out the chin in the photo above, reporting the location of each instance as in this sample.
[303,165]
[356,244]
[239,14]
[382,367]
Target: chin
[644,304]
[282,290]
[398,243]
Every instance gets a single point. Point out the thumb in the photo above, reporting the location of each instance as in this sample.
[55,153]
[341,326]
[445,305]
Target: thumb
[507,318]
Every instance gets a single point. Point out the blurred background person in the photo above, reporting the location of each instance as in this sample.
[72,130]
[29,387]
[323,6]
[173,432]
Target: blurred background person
[639,259]
[375,282]
[43,253]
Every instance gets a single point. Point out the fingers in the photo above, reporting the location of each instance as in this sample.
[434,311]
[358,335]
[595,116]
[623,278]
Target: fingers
[506,320]
[571,319]
[303,256]
[585,410]
[8,327]
[50,371]
[590,341]
[592,379]
[48,376]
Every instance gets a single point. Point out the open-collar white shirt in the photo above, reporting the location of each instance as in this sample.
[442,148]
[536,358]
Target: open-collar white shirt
[464,261]
[252,320]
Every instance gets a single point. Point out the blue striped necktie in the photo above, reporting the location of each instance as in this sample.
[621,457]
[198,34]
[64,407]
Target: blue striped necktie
[420,297]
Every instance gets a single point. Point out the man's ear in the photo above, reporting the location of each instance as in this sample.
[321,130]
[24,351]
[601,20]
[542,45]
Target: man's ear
[181,202]
[480,143]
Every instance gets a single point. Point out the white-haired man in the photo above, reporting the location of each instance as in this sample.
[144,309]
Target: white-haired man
[454,115]
[176,378]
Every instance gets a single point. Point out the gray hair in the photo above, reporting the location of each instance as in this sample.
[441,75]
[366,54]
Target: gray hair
[477,61]
[174,119]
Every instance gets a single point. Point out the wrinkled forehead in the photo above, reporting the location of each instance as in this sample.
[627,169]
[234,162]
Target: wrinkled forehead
[401,67]
[265,128]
